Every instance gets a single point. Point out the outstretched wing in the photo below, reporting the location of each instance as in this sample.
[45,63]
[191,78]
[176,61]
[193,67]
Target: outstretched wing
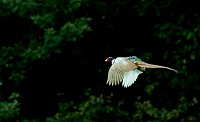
[115,75]
[120,69]
[130,77]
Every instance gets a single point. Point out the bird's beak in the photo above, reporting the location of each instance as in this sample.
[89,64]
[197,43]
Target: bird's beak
[106,60]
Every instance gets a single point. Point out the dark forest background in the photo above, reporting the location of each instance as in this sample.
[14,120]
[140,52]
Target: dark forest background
[52,56]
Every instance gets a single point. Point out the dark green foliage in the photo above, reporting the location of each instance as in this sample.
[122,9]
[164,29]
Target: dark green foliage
[93,109]
[52,60]
[10,108]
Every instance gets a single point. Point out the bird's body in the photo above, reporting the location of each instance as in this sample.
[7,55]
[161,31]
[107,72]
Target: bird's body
[125,69]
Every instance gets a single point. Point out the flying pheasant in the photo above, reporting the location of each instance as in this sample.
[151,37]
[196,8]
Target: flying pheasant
[126,69]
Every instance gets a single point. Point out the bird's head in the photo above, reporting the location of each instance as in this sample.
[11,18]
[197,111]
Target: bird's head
[109,59]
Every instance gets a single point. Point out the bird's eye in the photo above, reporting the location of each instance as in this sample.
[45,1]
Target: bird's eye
[108,59]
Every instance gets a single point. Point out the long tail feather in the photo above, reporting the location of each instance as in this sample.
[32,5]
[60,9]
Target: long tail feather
[146,65]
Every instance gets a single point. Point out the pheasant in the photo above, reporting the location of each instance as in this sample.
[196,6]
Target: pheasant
[127,70]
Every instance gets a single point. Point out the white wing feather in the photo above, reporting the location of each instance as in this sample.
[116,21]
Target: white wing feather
[130,77]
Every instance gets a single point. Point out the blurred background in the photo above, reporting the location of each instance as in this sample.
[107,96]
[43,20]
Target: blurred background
[52,57]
